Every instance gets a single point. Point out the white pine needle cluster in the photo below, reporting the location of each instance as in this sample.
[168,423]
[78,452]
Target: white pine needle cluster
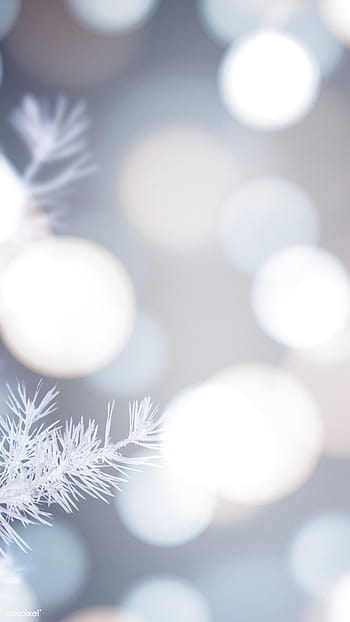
[41,464]
[54,135]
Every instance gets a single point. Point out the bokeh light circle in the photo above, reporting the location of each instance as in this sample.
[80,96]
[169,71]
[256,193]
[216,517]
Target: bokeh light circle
[161,509]
[269,80]
[250,588]
[259,426]
[306,24]
[336,14]
[172,184]
[225,20]
[9,11]
[112,15]
[139,364]
[58,564]
[337,608]
[330,353]
[330,386]
[320,552]
[78,311]
[165,597]
[301,296]
[262,216]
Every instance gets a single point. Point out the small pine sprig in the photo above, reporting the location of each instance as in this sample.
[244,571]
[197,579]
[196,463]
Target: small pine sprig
[53,135]
[41,465]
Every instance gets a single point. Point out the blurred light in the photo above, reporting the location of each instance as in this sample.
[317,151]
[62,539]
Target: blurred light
[330,386]
[301,297]
[13,198]
[227,19]
[173,182]
[161,597]
[138,366]
[320,552]
[338,602]
[252,434]
[102,614]
[112,15]
[307,25]
[86,58]
[263,216]
[336,14]
[15,594]
[332,352]
[254,588]
[160,509]
[269,80]
[78,311]
[57,566]
[9,11]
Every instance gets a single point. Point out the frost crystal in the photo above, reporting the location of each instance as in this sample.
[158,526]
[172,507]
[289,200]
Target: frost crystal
[41,465]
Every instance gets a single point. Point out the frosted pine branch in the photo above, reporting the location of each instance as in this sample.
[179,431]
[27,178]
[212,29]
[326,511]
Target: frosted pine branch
[41,465]
[53,135]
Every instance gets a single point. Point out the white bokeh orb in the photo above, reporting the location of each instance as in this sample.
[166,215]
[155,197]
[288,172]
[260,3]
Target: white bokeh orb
[172,184]
[301,296]
[66,307]
[224,20]
[252,434]
[330,353]
[159,508]
[165,597]
[108,16]
[336,14]
[58,565]
[329,384]
[306,24]
[250,588]
[269,80]
[337,606]
[319,553]
[262,216]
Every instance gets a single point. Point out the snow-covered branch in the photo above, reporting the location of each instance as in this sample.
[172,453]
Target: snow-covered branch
[54,135]
[41,465]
